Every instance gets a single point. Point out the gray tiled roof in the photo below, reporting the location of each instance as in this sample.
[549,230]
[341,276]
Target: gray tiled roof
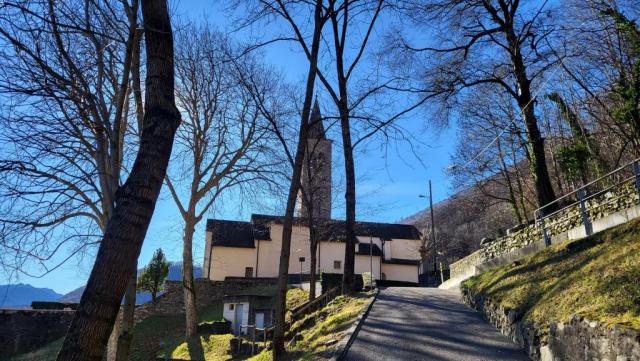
[242,234]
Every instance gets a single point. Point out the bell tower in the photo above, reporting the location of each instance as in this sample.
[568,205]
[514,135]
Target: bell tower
[316,170]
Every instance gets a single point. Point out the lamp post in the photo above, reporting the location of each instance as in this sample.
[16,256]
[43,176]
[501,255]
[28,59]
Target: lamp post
[301,259]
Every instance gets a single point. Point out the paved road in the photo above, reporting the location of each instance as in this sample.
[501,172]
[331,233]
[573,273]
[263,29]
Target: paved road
[428,324]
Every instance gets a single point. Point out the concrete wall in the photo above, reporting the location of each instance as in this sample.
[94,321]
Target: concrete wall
[26,330]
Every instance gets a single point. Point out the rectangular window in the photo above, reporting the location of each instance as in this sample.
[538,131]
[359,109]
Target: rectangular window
[337,265]
[231,306]
[248,272]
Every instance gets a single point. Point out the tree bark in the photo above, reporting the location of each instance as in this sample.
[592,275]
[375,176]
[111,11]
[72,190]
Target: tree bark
[135,200]
[312,262]
[348,280]
[283,270]
[538,163]
[126,336]
[188,283]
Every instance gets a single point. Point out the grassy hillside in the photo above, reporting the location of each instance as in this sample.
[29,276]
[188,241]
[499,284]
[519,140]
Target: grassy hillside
[597,277]
[317,335]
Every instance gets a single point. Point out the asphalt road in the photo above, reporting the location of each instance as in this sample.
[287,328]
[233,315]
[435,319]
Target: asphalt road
[428,324]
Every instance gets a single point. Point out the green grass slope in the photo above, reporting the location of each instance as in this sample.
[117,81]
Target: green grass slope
[596,277]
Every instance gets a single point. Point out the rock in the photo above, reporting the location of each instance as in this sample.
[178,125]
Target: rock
[515,229]
[485,241]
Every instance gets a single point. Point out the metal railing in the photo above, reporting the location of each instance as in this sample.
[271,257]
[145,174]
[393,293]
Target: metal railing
[584,200]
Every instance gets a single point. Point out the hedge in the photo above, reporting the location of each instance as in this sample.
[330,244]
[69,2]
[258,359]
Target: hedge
[44,305]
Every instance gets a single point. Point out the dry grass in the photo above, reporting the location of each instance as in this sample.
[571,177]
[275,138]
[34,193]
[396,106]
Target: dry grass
[597,277]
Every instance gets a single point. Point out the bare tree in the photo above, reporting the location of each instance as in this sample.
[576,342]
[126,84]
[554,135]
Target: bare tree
[66,75]
[603,43]
[506,44]
[220,143]
[135,200]
[491,151]
[289,12]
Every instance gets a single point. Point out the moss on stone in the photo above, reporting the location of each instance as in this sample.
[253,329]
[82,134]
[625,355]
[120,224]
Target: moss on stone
[596,277]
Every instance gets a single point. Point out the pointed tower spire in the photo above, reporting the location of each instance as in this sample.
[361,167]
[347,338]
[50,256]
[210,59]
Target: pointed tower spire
[316,128]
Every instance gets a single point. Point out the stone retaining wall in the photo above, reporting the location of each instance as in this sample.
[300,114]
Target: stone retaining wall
[171,302]
[465,267]
[599,206]
[24,330]
[578,339]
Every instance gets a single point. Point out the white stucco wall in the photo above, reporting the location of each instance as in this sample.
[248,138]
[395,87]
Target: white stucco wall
[269,253]
[231,261]
[330,252]
[363,264]
[398,272]
[404,248]
[229,314]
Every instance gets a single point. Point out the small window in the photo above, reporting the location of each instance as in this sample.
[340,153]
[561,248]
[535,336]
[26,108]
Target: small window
[231,306]
[337,265]
[248,272]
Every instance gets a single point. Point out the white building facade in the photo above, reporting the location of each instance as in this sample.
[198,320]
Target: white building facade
[252,249]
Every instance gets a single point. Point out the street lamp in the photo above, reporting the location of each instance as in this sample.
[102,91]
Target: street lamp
[301,259]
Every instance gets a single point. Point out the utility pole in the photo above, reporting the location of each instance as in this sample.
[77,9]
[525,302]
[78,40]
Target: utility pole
[433,234]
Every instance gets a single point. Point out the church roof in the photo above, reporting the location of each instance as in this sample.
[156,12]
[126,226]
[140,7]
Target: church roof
[316,128]
[243,234]
[231,233]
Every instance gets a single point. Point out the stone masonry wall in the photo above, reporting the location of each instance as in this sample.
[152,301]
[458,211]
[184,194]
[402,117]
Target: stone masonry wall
[599,206]
[171,302]
[464,266]
[25,330]
[575,340]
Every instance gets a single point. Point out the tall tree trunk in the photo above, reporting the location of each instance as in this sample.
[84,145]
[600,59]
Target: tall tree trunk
[539,170]
[126,329]
[348,279]
[135,200]
[313,264]
[188,283]
[283,270]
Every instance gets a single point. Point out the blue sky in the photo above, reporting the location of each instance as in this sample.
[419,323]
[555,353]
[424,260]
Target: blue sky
[388,186]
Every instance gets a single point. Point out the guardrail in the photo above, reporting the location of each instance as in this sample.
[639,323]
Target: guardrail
[587,199]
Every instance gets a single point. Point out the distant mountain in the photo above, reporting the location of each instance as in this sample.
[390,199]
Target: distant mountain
[21,295]
[175,274]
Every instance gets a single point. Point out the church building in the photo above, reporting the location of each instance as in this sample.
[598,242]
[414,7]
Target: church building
[252,249]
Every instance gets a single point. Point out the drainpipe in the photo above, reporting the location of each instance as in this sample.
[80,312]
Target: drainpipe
[257,255]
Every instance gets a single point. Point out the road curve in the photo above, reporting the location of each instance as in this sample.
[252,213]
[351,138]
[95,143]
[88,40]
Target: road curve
[428,324]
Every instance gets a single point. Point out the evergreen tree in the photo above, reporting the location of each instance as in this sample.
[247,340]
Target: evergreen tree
[154,274]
